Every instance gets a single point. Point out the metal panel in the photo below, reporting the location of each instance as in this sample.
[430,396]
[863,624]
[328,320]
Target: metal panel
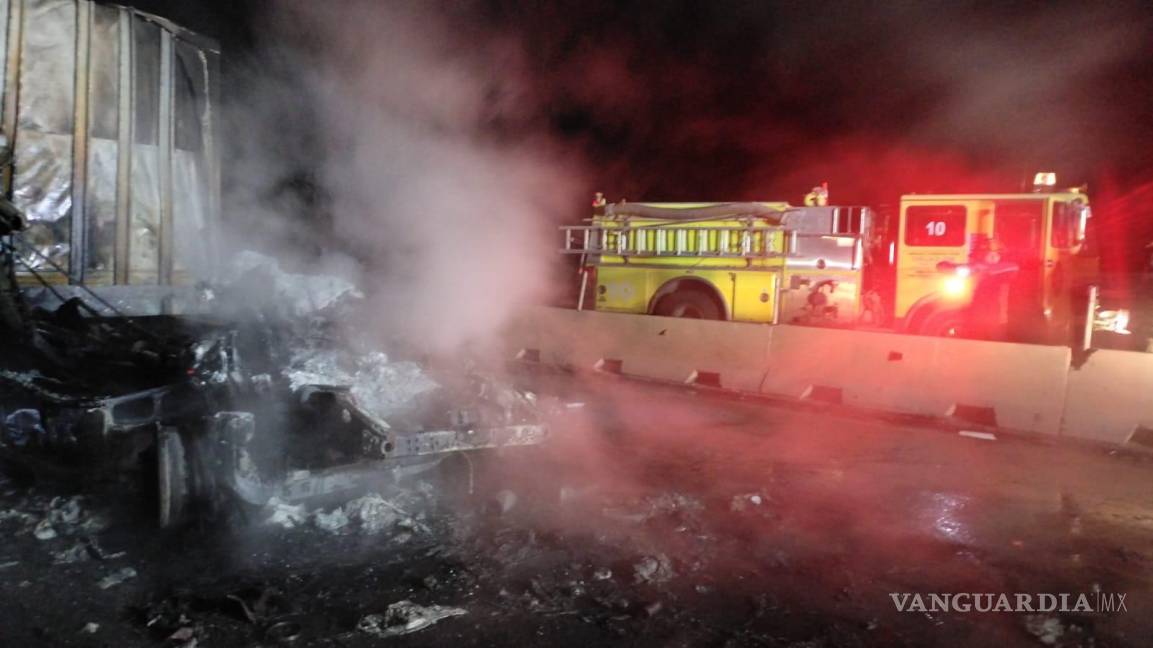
[3,46]
[100,208]
[164,163]
[112,191]
[144,239]
[817,251]
[124,145]
[191,203]
[189,213]
[80,142]
[42,185]
[212,158]
[48,66]
[12,37]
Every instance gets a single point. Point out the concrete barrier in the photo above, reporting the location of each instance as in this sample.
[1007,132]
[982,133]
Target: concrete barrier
[1110,398]
[1022,383]
[869,369]
[1008,385]
[1011,386]
[730,355]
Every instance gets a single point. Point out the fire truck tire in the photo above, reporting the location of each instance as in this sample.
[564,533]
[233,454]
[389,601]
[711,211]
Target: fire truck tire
[944,323]
[691,304]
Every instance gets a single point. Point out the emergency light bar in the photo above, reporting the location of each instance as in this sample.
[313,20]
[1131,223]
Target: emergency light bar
[1044,179]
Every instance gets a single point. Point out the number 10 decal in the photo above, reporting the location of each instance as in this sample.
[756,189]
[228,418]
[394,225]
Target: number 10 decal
[935,228]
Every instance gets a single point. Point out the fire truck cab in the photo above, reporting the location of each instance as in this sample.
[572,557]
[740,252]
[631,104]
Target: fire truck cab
[1001,266]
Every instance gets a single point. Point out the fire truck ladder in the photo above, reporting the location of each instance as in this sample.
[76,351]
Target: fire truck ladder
[725,242]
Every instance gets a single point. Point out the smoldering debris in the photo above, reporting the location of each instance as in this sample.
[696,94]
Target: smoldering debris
[86,549]
[44,530]
[371,514]
[1048,630]
[74,554]
[654,506]
[404,617]
[47,518]
[117,577]
[280,402]
[381,386]
[375,514]
[288,516]
[654,569]
[21,426]
[747,501]
[335,521]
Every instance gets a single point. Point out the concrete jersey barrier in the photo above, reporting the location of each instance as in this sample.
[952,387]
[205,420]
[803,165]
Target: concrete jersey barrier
[1010,386]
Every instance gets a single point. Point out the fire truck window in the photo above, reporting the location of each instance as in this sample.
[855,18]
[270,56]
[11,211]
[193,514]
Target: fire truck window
[1017,227]
[935,226]
[1064,225]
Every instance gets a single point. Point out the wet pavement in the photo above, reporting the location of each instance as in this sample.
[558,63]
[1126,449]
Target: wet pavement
[657,516]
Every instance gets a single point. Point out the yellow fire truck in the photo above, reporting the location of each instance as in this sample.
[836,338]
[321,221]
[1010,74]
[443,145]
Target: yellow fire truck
[997,266]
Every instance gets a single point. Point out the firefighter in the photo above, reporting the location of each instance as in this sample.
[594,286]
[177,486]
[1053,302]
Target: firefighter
[819,196]
[992,303]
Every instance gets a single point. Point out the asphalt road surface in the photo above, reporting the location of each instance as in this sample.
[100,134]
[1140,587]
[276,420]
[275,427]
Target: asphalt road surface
[656,516]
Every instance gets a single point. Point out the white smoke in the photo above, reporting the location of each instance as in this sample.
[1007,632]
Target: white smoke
[420,131]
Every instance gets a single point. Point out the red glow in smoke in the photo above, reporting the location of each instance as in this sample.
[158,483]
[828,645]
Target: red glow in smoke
[870,171]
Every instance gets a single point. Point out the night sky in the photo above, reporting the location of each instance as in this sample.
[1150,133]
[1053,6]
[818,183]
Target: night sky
[708,100]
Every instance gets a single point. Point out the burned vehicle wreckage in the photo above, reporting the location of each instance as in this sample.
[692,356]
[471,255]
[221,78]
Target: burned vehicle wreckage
[222,418]
[119,363]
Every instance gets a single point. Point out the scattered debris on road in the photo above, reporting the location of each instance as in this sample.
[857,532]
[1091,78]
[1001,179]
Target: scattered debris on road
[117,577]
[1047,629]
[404,617]
[654,569]
[746,501]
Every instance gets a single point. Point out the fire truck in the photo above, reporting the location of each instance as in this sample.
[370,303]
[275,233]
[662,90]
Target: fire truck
[993,266]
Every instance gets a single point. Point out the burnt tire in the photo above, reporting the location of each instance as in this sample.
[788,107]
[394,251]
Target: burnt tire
[690,304]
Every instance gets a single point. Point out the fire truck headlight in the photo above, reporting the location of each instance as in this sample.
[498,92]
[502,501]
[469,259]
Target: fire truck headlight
[956,286]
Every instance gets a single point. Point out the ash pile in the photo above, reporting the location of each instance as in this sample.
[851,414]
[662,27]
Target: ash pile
[267,399]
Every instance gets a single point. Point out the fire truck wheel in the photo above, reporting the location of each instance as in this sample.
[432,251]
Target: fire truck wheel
[946,323]
[692,304]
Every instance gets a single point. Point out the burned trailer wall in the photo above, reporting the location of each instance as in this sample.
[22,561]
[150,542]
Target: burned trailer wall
[111,114]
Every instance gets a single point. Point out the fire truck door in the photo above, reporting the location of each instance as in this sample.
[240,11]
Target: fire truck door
[1018,230]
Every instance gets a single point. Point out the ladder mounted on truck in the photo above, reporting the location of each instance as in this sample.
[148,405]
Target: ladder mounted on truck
[671,240]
